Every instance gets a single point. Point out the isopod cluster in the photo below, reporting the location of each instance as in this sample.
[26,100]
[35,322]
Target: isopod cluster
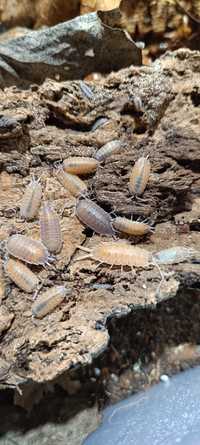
[24,252]
[117,252]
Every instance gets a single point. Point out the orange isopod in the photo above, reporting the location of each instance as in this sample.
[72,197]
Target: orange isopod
[50,229]
[21,275]
[80,165]
[48,301]
[119,254]
[27,249]
[72,183]
[136,228]
[31,200]
[139,176]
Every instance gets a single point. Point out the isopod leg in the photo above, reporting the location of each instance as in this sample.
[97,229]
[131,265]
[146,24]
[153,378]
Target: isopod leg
[39,287]
[98,265]
[84,257]
[85,249]
[159,269]
[162,277]
[58,164]
[132,270]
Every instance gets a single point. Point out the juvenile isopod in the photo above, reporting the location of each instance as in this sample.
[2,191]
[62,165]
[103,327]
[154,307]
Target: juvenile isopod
[50,229]
[72,183]
[21,275]
[130,227]
[93,216]
[108,149]
[31,200]
[27,249]
[48,301]
[119,254]
[80,165]
[86,90]
[139,176]
[175,255]
[100,122]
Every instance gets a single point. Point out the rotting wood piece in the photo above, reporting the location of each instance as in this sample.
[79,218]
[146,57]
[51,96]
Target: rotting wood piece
[169,133]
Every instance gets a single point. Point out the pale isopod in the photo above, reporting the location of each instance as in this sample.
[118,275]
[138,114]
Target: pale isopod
[50,229]
[108,149]
[119,254]
[31,200]
[139,176]
[23,277]
[72,183]
[100,122]
[80,165]
[86,90]
[48,301]
[175,255]
[130,227]
[27,249]
[93,216]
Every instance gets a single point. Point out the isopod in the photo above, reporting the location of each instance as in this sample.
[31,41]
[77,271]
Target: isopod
[119,254]
[31,200]
[108,149]
[50,229]
[80,165]
[48,301]
[100,122]
[136,228]
[93,216]
[175,255]
[72,183]
[28,250]
[86,90]
[139,176]
[21,275]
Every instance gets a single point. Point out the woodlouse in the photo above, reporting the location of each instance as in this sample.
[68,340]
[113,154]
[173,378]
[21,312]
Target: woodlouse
[139,176]
[108,149]
[100,122]
[50,229]
[119,253]
[93,216]
[175,255]
[80,165]
[28,250]
[48,301]
[21,275]
[72,183]
[31,200]
[86,90]
[130,227]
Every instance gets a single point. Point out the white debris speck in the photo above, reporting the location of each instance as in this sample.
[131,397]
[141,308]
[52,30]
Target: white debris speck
[164,378]
[89,52]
